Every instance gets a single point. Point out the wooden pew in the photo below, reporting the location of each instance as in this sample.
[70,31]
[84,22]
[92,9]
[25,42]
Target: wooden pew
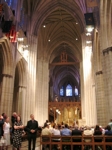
[71,141]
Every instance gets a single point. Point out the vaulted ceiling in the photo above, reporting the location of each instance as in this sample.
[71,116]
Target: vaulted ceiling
[61,32]
[59,25]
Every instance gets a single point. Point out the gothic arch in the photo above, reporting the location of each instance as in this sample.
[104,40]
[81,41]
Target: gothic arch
[21,66]
[45,11]
[19,96]
[76,52]
[7,76]
[7,56]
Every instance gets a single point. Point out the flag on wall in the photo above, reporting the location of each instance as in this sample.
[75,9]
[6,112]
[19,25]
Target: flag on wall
[91,3]
[12,34]
[1,8]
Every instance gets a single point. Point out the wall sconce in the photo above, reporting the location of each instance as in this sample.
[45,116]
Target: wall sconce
[25,53]
[89,28]
[88,42]
[20,39]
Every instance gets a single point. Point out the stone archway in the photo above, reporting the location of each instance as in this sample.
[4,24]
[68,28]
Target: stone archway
[6,73]
[19,95]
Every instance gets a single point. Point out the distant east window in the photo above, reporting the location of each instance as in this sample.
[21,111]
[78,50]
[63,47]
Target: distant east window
[76,92]
[62,91]
[68,90]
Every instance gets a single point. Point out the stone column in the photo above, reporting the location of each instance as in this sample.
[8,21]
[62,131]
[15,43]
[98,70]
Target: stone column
[107,73]
[31,77]
[100,101]
[21,103]
[6,95]
[89,87]
[82,91]
[42,86]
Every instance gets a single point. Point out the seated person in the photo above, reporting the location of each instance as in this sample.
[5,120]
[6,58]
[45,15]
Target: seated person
[108,132]
[66,131]
[56,132]
[76,132]
[46,131]
[88,132]
[97,131]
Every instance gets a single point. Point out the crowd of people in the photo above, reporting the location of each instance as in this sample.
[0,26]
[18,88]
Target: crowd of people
[15,130]
[65,130]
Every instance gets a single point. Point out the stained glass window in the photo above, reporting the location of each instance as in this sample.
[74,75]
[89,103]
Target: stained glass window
[61,91]
[69,90]
[76,91]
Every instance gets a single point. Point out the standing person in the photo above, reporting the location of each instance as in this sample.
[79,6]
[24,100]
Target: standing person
[6,128]
[1,130]
[110,124]
[1,126]
[13,120]
[17,135]
[31,128]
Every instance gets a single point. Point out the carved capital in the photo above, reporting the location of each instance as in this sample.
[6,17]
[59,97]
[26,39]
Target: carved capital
[21,86]
[106,51]
[7,75]
[99,72]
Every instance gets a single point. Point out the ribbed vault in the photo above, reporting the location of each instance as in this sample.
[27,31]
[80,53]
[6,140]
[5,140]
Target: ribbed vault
[60,32]
[59,25]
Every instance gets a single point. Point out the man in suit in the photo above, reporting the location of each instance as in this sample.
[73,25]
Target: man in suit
[31,128]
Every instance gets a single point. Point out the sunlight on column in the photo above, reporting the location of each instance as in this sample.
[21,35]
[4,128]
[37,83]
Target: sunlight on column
[87,61]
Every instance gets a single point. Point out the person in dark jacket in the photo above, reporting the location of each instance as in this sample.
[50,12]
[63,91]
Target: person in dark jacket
[76,132]
[31,128]
[1,126]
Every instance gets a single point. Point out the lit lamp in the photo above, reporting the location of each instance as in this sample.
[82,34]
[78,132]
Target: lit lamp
[25,51]
[89,21]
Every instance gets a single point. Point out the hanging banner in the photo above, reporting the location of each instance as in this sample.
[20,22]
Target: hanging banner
[12,34]
[91,3]
[1,9]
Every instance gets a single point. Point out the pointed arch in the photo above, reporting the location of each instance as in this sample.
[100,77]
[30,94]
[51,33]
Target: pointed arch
[21,67]
[7,56]
[20,82]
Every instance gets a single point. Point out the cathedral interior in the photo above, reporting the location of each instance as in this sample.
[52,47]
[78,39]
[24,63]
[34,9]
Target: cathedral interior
[56,60]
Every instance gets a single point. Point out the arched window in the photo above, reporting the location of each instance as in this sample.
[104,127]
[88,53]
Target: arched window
[76,91]
[68,90]
[62,91]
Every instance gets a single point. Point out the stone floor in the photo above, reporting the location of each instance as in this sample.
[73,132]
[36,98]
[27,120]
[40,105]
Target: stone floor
[25,145]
